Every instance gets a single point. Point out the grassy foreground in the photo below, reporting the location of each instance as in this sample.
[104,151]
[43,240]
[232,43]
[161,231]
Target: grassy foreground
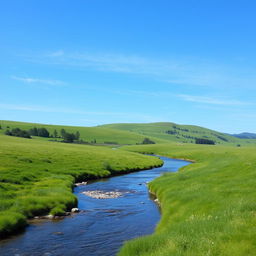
[36,176]
[208,208]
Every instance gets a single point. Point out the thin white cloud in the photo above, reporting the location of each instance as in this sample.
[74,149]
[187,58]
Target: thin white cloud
[120,115]
[173,70]
[31,80]
[210,100]
[191,98]
[56,53]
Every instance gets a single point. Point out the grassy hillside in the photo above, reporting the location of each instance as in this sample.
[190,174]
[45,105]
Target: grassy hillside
[208,208]
[178,133]
[100,134]
[36,176]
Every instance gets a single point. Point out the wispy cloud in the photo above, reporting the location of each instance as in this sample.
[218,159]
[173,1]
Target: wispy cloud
[171,70]
[56,53]
[43,109]
[210,100]
[186,97]
[31,80]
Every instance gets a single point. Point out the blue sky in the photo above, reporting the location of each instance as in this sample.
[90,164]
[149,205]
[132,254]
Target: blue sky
[92,62]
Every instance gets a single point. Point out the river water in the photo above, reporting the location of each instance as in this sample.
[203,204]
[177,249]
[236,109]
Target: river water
[102,226]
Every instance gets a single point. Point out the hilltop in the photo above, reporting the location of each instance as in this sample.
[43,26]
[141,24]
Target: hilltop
[100,135]
[245,135]
[135,133]
[172,132]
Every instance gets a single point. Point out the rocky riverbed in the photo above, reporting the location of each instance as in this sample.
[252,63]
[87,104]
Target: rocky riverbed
[99,194]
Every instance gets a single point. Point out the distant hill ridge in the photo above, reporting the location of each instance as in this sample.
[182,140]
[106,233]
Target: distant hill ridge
[135,133]
[245,135]
[176,133]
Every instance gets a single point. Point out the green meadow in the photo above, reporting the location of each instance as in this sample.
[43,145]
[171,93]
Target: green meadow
[37,176]
[208,207]
[132,133]
[102,135]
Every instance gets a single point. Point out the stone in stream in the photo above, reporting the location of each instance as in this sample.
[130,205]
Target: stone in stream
[98,194]
[58,233]
[81,183]
[75,210]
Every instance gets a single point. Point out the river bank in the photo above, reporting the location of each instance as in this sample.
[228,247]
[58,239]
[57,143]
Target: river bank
[102,225]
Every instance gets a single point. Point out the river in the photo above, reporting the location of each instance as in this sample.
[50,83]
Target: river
[102,225]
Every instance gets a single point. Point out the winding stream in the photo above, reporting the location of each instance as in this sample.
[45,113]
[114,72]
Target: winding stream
[102,225]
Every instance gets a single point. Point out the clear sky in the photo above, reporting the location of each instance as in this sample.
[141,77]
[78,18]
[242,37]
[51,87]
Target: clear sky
[92,62]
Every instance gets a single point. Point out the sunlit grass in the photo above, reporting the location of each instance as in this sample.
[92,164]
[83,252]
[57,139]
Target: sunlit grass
[37,177]
[208,208]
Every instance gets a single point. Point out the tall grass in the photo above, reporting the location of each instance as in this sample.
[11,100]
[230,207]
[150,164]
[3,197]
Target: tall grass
[208,207]
[37,177]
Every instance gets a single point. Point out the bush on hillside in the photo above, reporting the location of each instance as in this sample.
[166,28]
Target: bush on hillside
[148,141]
[18,133]
[41,132]
[204,141]
[69,137]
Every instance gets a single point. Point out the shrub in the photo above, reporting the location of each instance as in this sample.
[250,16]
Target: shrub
[204,141]
[18,133]
[148,141]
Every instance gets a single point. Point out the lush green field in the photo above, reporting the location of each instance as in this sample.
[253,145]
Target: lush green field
[89,134]
[208,207]
[178,133]
[36,176]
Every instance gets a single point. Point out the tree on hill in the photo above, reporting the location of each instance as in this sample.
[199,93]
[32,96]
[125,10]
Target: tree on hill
[69,137]
[55,134]
[18,133]
[42,132]
[77,135]
[62,133]
[33,131]
[148,141]
[204,141]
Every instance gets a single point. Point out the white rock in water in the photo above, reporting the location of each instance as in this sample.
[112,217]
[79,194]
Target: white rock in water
[102,194]
[80,183]
[75,210]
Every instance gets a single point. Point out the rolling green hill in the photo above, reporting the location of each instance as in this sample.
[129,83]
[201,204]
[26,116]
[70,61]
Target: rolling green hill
[177,133]
[135,133]
[100,134]
[36,176]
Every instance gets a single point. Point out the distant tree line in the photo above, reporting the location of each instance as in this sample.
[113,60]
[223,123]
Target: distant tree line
[179,128]
[204,141]
[171,132]
[69,137]
[18,133]
[221,138]
[41,132]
